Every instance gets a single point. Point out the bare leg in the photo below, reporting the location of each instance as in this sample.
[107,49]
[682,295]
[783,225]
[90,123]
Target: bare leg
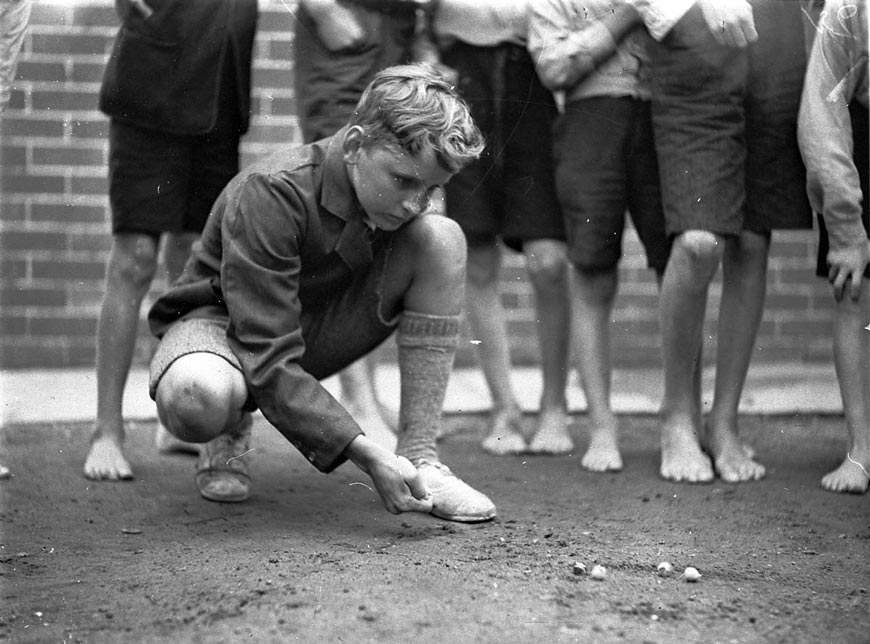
[693,262]
[743,293]
[547,266]
[486,317]
[360,399]
[176,250]
[852,361]
[593,295]
[131,267]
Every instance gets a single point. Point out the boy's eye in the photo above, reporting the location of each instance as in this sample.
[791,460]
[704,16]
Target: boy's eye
[404,182]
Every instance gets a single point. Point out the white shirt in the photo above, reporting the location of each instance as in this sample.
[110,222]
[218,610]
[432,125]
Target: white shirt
[660,16]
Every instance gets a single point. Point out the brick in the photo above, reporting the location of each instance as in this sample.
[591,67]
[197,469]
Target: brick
[280,50]
[99,241]
[35,239]
[31,183]
[74,44]
[90,128]
[29,353]
[17,100]
[87,72]
[95,16]
[89,185]
[82,270]
[61,325]
[13,158]
[13,211]
[11,268]
[48,72]
[32,297]
[65,214]
[281,20]
[64,100]
[32,127]
[279,77]
[69,156]
[282,106]
[49,14]
[268,133]
[12,325]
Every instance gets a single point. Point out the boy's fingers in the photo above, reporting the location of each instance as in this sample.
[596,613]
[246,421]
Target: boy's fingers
[412,478]
[419,505]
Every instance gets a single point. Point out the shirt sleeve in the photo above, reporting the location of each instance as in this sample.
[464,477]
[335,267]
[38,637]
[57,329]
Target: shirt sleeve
[825,128]
[260,277]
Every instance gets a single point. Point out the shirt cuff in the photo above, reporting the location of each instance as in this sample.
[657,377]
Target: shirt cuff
[660,16]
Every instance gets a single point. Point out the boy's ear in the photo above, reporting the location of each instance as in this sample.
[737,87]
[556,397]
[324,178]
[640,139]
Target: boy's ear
[352,144]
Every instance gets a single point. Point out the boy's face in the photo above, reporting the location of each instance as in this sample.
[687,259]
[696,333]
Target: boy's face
[392,186]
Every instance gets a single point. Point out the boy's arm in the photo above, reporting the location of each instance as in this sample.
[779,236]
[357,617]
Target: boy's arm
[395,478]
[564,52]
[826,142]
[263,231]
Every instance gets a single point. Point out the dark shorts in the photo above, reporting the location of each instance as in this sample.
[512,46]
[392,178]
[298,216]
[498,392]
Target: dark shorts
[725,123]
[161,183]
[861,156]
[337,329]
[606,165]
[510,191]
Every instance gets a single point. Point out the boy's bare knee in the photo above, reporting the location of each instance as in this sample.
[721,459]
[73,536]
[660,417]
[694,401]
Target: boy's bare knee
[701,245]
[546,262]
[197,395]
[441,246]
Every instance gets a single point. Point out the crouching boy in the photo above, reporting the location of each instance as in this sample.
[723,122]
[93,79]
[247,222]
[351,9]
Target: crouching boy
[309,260]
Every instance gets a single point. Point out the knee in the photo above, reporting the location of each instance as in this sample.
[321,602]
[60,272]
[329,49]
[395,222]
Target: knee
[194,407]
[701,246]
[440,248]
[134,264]
[546,264]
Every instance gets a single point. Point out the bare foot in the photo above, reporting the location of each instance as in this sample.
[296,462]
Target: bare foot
[552,435]
[167,443]
[602,455]
[106,462]
[704,439]
[682,457]
[730,457]
[506,435]
[852,476]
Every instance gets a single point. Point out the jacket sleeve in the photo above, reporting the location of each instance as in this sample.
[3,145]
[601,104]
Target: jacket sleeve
[260,276]
[825,130]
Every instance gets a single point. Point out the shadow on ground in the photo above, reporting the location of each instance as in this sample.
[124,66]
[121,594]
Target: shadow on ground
[315,558]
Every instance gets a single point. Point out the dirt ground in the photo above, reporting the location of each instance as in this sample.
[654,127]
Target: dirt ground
[315,558]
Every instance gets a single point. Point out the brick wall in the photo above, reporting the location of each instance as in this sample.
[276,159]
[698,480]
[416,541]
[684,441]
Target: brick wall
[54,219]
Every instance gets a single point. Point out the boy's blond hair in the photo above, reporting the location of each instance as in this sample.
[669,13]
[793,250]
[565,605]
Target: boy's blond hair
[414,108]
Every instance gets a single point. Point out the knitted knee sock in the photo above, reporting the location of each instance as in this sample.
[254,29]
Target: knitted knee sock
[427,346]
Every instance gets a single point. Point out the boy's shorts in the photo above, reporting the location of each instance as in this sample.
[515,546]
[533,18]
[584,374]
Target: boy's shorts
[725,123]
[337,330]
[510,191]
[161,182]
[606,165]
[861,157]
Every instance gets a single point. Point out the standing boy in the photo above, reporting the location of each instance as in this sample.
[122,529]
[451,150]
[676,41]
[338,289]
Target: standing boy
[834,139]
[177,89]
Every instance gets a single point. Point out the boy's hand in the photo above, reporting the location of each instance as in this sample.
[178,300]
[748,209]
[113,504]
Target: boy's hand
[848,264]
[395,477]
